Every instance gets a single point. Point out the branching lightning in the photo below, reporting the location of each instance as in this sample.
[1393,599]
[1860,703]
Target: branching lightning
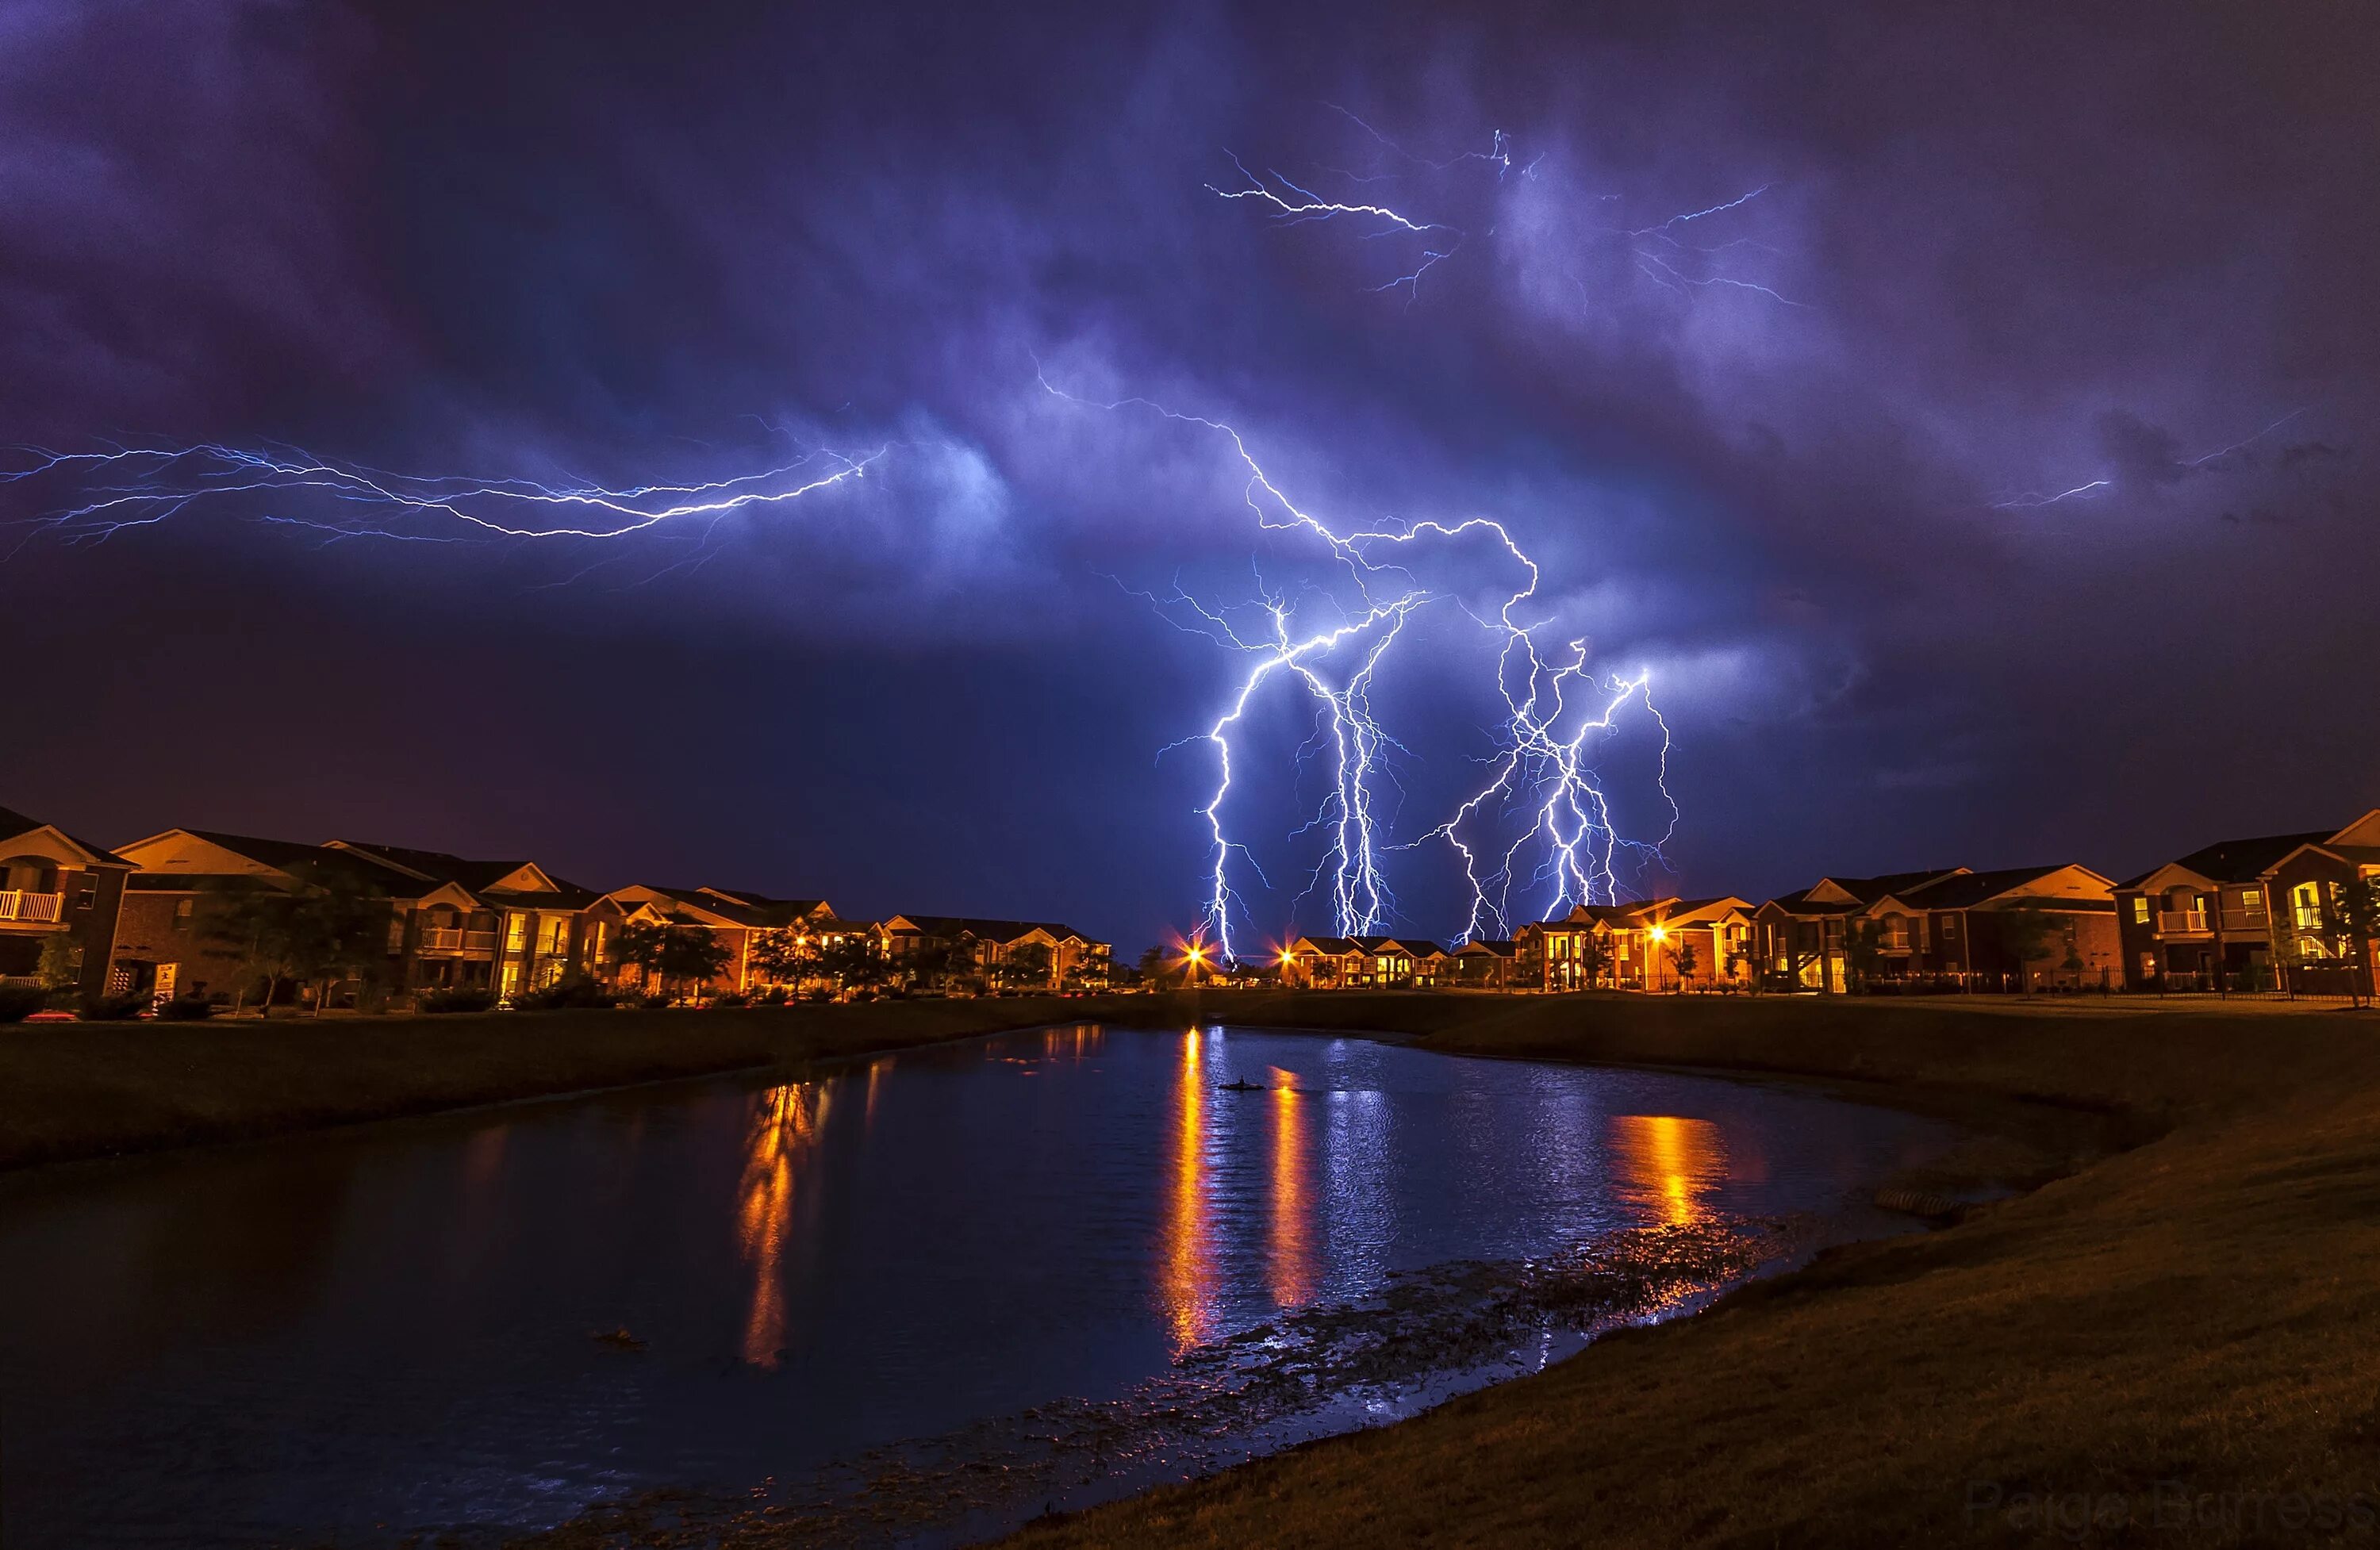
[133,486]
[1556,712]
[1661,251]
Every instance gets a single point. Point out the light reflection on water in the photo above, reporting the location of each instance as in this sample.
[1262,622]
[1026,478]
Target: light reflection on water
[1669,1163]
[349,1336]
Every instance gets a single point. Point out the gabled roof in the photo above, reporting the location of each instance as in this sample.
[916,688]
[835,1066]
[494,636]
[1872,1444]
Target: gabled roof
[2234,860]
[982,929]
[1964,890]
[290,858]
[16,825]
[1630,913]
[2364,832]
[480,877]
[1833,895]
[784,911]
[1328,947]
[689,903]
[1694,912]
[1491,947]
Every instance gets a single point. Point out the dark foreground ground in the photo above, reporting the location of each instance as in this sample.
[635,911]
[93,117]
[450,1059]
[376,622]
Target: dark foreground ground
[2173,1340]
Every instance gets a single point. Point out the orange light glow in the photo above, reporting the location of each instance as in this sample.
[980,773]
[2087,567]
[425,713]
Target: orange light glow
[1292,1225]
[1188,1287]
[1669,1163]
[785,1128]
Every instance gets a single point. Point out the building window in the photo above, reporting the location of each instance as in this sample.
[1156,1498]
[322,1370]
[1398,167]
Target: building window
[86,891]
[2141,909]
[183,910]
[516,934]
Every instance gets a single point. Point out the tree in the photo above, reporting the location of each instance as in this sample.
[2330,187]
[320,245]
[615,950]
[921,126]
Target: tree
[1159,969]
[325,929]
[1682,959]
[1594,957]
[61,964]
[2024,933]
[2356,908]
[853,963]
[1862,952]
[673,953]
[787,954]
[1024,967]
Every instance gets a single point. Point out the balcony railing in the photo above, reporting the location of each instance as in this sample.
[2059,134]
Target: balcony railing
[16,905]
[451,938]
[2245,923]
[2181,922]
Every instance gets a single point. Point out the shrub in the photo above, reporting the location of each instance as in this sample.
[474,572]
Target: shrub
[774,996]
[731,998]
[19,1001]
[112,1009]
[571,991]
[187,1009]
[458,998]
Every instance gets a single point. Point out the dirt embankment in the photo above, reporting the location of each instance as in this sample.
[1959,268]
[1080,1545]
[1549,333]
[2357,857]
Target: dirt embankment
[76,1090]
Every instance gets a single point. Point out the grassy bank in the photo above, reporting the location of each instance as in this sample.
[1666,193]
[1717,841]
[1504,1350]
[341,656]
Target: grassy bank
[77,1090]
[2174,1345]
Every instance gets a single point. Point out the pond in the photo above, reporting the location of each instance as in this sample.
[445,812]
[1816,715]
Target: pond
[922,1298]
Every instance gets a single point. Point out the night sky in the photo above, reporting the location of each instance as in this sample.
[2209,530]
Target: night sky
[1793,458]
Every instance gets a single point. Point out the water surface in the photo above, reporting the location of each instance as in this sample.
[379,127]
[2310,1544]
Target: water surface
[492,1321]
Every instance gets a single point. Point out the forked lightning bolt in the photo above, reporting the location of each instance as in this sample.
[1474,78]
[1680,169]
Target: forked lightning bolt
[1543,772]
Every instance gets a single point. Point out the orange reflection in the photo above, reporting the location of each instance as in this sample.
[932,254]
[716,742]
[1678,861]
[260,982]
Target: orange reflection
[1188,1287]
[1669,1163]
[1293,1227]
[785,1127]
[1081,1039]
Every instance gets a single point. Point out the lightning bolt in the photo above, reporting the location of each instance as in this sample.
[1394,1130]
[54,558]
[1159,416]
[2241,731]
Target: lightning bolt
[2090,489]
[131,486]
[1556,713]
[1659,251]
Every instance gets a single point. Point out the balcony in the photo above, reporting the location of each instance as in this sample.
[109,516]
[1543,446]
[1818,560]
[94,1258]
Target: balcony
[2245,923]
[2182,923]
[30,909]
[449,938]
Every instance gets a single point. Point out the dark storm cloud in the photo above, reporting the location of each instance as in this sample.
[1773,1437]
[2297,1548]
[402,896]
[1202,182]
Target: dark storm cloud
[1769,451]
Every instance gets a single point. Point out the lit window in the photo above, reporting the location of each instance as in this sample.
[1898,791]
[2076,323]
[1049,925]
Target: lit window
[2141,909]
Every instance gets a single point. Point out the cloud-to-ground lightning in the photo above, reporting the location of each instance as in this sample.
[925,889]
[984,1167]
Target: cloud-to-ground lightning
[1543,774]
